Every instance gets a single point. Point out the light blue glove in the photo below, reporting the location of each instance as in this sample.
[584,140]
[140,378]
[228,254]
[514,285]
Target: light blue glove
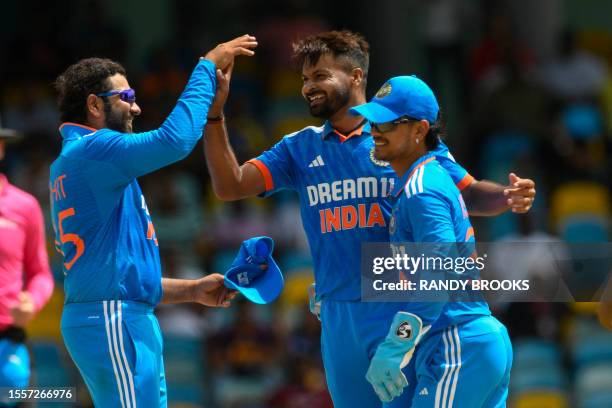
[313,303]
[393,354]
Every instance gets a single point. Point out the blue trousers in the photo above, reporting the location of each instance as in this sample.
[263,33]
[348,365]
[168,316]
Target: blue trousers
[117,347]
[463,366]
[446,369]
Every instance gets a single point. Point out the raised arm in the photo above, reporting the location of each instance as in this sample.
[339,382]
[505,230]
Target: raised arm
[230,180]
[141,153]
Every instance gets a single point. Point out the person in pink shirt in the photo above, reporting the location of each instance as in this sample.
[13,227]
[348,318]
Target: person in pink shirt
[26,282]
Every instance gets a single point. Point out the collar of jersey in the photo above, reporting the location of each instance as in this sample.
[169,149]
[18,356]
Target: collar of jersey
[423,160]
[70,130]
[328,130]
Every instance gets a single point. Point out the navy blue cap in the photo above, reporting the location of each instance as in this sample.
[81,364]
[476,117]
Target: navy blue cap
[400,96]
[246,275]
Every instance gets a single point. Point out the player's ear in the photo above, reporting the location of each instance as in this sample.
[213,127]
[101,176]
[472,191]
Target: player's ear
[95,106]
[423,128]
[357,76]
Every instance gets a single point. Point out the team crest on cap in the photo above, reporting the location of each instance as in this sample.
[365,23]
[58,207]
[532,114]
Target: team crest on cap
[383,91]
[376,161]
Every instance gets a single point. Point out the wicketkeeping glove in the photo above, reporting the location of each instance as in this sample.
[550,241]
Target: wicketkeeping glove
[393,354]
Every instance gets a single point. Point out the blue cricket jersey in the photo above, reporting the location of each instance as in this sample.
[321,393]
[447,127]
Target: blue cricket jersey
[344,197]
[428,208]
[102,225]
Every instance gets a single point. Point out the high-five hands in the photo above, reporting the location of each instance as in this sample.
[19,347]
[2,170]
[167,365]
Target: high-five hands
[223,54]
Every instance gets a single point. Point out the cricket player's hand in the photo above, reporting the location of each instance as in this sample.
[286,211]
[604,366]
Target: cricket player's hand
[24,310]
[223,54]
[210,291]
[393,354]
[313,303]
[521,193]
[223,81]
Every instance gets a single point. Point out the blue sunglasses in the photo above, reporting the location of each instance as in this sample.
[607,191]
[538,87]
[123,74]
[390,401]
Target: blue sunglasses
[126,95]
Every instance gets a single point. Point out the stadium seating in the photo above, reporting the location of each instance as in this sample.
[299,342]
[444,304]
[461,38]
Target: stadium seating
[541,399]
[593,386]
[580,199]
[536,368]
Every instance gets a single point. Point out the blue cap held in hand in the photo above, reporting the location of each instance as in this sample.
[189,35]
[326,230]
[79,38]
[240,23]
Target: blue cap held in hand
[400,96]
[247,276]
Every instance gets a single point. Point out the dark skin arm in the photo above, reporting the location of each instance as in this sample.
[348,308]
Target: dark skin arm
[207,291]
[230,180]
[486,198]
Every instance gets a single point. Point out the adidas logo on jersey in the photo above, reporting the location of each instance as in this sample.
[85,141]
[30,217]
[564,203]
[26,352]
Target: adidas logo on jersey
[424,392]
[317,162]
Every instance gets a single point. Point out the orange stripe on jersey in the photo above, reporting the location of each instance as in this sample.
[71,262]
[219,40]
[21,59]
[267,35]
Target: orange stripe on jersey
[356,132]
[466,181]
[469,233]
[265,172]
[77,124]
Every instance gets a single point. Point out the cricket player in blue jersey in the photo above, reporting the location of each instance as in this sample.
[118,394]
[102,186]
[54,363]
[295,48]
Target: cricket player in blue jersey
[104,231]
[344,195]
[462,354]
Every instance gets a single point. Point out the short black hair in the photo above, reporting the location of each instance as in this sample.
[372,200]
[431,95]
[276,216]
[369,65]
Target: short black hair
[437,131]
[349,48]
[87,76]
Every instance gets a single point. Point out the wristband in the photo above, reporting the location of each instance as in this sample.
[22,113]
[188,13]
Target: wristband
[215,120]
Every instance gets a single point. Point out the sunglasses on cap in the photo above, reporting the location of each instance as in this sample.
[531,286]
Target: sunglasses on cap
[126,95]
[389,126]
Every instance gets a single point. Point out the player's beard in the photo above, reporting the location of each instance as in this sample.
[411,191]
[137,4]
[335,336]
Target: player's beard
[116,120]
[334,101]
[386,156]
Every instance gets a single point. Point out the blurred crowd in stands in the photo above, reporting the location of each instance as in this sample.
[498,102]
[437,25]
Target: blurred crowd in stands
[507,107]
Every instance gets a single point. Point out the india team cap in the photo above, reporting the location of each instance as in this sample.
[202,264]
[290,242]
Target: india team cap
[246,275]
[400,96]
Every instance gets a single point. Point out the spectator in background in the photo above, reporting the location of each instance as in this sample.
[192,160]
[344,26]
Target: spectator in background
[243,357]
[305,387]
[540,263]
[513,102]
[487,58]
[580,143]
[573,73]
[26,282]
[446,22]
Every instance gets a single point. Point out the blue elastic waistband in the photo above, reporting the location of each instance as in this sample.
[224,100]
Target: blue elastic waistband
[92,313]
